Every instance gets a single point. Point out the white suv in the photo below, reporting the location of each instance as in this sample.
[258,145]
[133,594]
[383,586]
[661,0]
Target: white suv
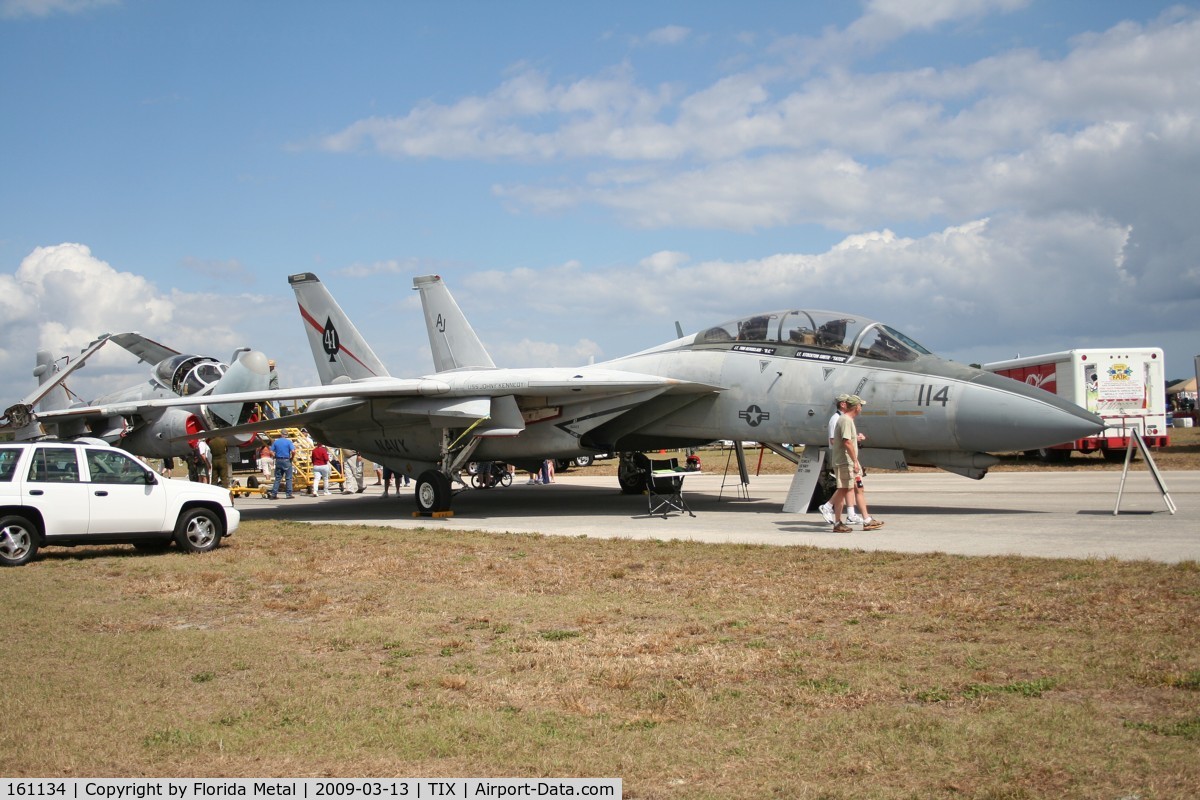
[73,493]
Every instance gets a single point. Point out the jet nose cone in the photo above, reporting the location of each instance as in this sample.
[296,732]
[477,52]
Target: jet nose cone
[1001,415]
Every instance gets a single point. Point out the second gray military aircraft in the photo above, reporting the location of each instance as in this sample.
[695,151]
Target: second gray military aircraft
[140,418]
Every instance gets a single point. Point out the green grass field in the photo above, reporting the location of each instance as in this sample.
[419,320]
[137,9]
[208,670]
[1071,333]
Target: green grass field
[688,670]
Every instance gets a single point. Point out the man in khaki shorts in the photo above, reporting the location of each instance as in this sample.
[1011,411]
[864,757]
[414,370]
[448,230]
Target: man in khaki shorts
[847,469]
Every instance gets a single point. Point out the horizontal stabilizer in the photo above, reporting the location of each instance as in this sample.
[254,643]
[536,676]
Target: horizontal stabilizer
[499,416]
[506,419]
[453,409]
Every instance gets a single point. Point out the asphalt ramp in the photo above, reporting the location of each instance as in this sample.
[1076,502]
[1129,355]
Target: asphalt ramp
[1040,514]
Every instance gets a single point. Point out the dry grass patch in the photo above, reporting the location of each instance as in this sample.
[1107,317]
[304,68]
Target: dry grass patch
[689,670]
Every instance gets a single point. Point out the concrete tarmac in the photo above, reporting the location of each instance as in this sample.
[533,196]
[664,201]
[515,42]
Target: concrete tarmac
[1041,514]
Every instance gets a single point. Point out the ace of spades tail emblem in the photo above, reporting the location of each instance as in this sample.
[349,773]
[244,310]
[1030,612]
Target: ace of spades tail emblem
[330,342]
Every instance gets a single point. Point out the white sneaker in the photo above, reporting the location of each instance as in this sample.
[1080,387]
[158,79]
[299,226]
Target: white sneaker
[853,517]
[826,512]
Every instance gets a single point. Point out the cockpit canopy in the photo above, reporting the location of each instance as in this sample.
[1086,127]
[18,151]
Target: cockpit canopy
[187,375]
[820,330]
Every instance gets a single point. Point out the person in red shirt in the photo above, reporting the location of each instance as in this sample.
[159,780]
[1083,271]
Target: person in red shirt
[320,466]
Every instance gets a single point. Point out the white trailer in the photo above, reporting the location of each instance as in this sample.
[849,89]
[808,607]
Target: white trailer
[1125,387]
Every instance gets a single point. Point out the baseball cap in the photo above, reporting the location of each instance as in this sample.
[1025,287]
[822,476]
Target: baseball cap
[855,400]
[841,398]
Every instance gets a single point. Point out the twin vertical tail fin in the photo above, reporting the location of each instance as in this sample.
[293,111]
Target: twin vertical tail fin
[339,350]
[55,396]
[454,342]
[51,394]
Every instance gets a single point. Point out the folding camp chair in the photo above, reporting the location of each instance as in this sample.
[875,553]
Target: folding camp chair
[664,487]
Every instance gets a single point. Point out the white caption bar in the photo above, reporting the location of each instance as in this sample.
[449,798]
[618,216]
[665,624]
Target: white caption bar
[306,788]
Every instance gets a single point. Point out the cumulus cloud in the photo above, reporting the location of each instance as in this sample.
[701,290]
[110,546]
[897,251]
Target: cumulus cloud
[62,297]
[769,148]
[972,203]
[976,288]
[607,114]
[887,20]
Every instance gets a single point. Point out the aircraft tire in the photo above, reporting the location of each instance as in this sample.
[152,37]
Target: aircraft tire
[1116,456]
[631,477]
[823,491]
[1053,456]
[18,541]
[432,492]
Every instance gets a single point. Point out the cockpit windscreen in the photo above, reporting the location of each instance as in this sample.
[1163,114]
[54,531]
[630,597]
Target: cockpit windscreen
[821,330]
[188,375]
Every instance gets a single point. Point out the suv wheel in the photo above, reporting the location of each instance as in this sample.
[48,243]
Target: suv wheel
[18,541]
[198,530]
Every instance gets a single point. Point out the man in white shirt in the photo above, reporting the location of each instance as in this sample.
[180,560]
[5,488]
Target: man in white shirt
[826,510]
[848,469]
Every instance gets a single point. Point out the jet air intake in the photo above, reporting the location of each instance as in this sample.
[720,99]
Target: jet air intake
[248,373]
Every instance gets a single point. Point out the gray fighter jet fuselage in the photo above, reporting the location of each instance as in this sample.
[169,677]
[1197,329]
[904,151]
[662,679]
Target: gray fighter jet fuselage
[779,373]
[766,377]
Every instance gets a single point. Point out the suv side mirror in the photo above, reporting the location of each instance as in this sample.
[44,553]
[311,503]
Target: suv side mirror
[148,476]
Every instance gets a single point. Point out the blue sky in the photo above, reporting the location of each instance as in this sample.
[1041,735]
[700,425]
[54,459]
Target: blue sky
[993,177]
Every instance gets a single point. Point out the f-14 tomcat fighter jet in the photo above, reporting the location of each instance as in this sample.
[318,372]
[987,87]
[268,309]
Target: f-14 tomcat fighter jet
[768,377]
[135,418]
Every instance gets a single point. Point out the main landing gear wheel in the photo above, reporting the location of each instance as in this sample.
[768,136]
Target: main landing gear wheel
[823,491]
[433,492]
[1054,456]
[631,475]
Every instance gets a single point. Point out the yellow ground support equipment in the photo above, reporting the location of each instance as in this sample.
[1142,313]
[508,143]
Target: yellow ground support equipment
[302,471]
